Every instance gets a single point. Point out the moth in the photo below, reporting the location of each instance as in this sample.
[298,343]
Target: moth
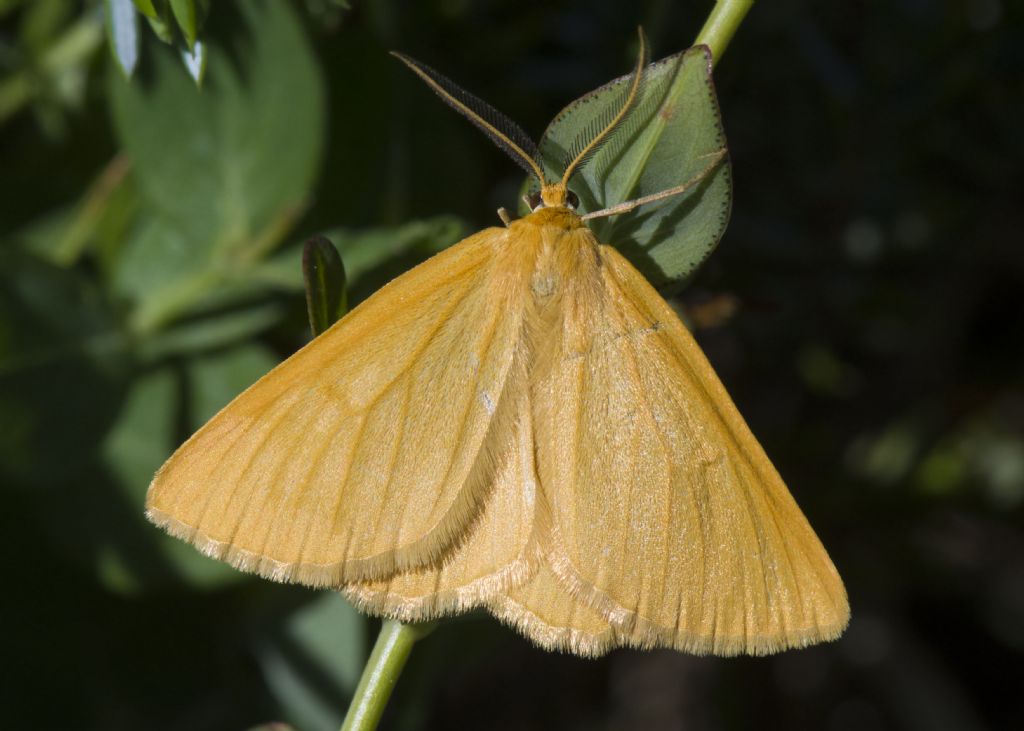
[523,424]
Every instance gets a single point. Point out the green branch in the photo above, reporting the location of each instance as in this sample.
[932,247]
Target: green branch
[721,25]
[394,643]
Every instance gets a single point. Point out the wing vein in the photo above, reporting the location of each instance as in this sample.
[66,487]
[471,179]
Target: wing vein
[220,460]
[248,466]
[762,536]
[789,562]
[350,460]
[393,460]
[299,436]
[327,443]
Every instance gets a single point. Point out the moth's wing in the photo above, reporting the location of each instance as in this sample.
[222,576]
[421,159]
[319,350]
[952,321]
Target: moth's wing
[498,565]
[497,553]
[545,611]
[371,449]
[667,516]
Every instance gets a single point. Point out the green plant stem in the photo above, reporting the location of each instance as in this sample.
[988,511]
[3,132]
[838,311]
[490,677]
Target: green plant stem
[90,211]
[721,25]
[394,643]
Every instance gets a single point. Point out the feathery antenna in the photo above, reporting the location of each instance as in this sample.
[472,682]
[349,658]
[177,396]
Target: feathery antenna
[590,148]
[505,133]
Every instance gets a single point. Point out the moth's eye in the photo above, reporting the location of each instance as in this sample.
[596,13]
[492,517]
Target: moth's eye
[533,200]
[572,200]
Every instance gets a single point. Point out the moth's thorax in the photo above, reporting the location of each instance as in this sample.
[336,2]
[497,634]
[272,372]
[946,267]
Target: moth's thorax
[562,247]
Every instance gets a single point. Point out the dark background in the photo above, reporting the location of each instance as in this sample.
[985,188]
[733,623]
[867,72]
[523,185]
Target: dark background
[869,291]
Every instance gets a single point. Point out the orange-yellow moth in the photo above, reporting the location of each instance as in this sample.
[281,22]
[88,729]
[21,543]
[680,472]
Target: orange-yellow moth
[521,423]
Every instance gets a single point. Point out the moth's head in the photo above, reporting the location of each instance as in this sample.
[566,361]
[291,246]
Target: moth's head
[552,195]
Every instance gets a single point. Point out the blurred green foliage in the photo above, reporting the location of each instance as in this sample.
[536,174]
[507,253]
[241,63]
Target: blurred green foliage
[150,269]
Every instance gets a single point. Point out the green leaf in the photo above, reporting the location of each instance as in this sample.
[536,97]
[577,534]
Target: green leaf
[187,13]
[665,142]
[326,291]
[211,332]
[162,28]
[123,32]
[227,159]
[313,666]
[160,18]
[195,61]
[63,364]
[249,146]
[226,167]
[148,8]
[155,269]
[159,270]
